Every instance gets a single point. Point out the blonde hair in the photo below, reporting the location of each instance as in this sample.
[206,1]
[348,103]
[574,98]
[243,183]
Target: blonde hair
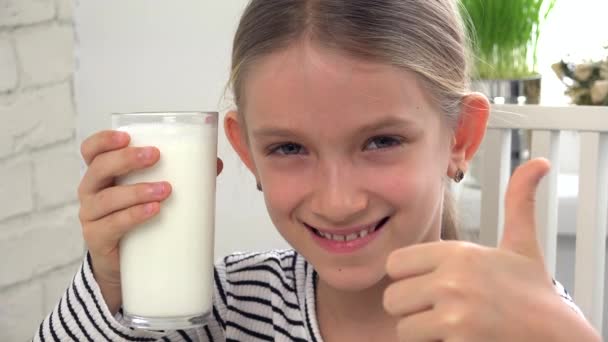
[426,37]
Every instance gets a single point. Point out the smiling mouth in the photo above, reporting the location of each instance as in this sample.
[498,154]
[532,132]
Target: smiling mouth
[351,236]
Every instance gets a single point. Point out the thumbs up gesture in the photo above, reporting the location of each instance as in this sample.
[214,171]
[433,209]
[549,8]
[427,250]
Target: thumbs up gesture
[459,291]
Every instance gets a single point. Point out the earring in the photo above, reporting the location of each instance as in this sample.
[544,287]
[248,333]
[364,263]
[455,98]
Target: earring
[458,176]
[259,186]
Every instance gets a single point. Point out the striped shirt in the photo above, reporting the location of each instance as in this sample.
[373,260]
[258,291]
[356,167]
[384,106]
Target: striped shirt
[257,297]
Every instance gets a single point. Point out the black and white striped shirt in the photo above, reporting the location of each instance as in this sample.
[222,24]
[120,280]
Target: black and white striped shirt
[258,297]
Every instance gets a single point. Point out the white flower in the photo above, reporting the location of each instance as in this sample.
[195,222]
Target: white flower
[557,68]
[576,94]
[599,91]
[582,72]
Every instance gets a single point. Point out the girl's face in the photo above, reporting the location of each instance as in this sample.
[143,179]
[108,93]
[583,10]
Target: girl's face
[343,147]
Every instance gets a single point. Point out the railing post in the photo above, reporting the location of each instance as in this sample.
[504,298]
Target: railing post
[495,172]
[591,226]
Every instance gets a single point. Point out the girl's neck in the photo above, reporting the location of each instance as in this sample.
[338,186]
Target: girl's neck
[356,314]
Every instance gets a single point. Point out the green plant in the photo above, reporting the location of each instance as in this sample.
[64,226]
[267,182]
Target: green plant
[504,35]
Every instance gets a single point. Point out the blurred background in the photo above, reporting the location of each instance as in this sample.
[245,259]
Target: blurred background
[65,66]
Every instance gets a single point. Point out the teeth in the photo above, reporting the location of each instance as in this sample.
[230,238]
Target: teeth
[351,237]
[337,237]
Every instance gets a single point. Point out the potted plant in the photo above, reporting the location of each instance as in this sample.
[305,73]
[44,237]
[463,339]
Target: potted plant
[504,37]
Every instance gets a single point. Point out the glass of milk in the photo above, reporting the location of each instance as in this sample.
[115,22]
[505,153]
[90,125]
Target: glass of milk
[166,263]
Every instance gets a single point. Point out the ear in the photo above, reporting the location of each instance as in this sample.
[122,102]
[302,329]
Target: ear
[474,113]
[237,136]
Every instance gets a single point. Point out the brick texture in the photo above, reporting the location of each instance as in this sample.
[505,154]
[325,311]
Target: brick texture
[45,53]
[41,242]
[16,193]
[65,9]
[8,65]
[21,312]
[24,12]
[39,117]
[56,175]
[50,240]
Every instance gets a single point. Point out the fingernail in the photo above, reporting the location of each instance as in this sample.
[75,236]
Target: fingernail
[145,153]
[158,189]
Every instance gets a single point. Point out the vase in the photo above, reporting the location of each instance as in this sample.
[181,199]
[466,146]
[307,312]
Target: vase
[510,91]
[513,91]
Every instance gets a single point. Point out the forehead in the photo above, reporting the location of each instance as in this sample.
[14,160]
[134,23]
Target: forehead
[310,82]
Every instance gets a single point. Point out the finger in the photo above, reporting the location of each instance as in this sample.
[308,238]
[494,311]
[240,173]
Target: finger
[103,235]
[418,259]
[420,327]
[220,166]
[101,142]
[107,166]
[407,297]
[519,234]
[117,198]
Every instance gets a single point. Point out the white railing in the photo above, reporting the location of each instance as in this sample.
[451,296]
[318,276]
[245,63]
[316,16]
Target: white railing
[546,123]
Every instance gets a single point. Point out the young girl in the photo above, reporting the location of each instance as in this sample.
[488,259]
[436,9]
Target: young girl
[354,116]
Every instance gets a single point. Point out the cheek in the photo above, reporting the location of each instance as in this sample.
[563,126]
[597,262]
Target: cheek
[404,186]
[413,195]
[283,191]
[413,179]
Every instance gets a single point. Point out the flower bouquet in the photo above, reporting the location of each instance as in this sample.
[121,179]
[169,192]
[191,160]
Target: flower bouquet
[586,82]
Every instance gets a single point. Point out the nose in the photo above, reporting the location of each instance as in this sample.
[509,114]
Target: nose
[338,196]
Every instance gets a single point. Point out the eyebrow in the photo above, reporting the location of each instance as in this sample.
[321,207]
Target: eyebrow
[388,122]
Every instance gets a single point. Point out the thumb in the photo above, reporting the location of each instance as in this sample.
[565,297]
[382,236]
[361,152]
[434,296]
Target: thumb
[519,234]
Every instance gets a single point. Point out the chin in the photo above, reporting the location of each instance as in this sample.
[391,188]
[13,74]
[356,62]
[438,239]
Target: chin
[351,278]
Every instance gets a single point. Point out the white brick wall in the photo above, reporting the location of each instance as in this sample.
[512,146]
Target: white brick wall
[50,240]
[45,53]
[24,12]
[56,175]
[21,307]
[8,64]
[40,240]
[24,306]
[18,181]
[38,117]
[64,9]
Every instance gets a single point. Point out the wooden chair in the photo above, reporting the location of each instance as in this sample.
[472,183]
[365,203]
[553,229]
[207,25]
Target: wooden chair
[546,123]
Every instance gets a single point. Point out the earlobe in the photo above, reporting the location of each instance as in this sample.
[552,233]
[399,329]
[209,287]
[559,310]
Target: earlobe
[236,134]
[469,133]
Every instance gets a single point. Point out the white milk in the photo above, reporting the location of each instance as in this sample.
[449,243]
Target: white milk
[166,263]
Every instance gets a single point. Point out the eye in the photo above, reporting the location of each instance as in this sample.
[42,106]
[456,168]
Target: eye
[383,142]
[287,149]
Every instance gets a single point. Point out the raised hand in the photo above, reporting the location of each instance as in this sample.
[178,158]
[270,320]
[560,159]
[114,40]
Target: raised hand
[459,291]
